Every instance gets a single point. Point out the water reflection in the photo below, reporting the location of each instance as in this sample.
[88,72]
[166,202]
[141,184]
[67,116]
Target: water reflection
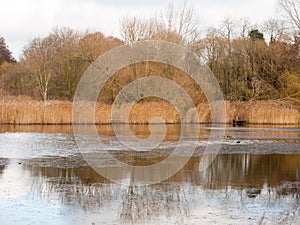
[249,170]
[235,170]
[270,178]
[173,130]
[44,180]
[3,163]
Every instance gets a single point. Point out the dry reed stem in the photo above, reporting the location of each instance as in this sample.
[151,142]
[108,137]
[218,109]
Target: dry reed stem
[60,112]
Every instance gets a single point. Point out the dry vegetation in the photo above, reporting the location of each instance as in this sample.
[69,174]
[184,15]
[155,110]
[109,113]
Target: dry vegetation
[263,112]
[60,112]
[257,67]
[251,62]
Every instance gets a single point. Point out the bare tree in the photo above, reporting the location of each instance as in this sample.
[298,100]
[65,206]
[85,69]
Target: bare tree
[135,29]
[227,31]
[175,25]
[245,27]
[182,22]
[274,28]
[41,57]
[291,9]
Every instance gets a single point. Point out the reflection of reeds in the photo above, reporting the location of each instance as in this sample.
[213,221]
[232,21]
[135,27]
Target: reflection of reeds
[289,188]
[145,203]
[260,222]
[58,112]
[174,198]
[91,192]
[85,188]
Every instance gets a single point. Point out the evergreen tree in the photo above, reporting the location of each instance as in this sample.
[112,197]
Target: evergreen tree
[5,54]
[256,35]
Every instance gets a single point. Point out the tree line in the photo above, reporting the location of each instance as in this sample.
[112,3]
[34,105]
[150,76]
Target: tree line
[251,62]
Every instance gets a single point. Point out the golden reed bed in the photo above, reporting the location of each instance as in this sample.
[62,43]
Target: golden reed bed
[60,112]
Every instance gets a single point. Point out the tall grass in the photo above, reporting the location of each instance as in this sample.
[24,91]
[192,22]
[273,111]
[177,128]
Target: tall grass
[264,112]
[34,112]
[60,112]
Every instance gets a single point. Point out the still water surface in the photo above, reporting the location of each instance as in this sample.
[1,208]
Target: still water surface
[45,180]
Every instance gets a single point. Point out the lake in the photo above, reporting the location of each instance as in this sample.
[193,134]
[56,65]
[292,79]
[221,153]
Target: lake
[255,178]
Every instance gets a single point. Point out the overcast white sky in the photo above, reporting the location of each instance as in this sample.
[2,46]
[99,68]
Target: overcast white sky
[22,20]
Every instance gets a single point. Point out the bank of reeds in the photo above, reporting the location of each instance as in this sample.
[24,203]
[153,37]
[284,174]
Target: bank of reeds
[264,112]
[60,112]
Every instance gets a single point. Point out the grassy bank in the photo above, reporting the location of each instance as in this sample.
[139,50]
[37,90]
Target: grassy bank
[59,112]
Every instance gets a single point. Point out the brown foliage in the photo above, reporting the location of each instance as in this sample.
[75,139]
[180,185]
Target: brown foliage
[26,111]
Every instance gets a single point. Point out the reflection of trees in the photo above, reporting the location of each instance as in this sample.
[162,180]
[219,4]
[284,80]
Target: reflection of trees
[82,186]
[248,170]
[3,163]
[236,170]
[76,186]
[289,188]
[142,203]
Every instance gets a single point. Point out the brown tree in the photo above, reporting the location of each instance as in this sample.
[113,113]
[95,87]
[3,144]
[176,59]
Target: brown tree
[40,60]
